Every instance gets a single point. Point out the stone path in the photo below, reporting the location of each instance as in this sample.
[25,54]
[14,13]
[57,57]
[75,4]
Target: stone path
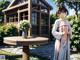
[75,57]
[42,51]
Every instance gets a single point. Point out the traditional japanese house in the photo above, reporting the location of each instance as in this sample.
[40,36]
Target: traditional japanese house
[36,11]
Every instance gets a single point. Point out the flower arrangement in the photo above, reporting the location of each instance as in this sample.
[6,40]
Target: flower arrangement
[24,24]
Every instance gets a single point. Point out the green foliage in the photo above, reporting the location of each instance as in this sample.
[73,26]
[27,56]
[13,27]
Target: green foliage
[24,24]
[53,17]
[7,30]
[73,4]
[75,23]
[58,0]
[1,33]
[3,5]
[10,30]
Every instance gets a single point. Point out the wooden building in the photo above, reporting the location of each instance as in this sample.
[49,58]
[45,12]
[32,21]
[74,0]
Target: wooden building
[36,11]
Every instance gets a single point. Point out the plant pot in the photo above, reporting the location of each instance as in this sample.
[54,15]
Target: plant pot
[25,33]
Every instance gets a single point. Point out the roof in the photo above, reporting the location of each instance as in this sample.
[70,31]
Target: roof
[46,3]
[13,1]
[9,8]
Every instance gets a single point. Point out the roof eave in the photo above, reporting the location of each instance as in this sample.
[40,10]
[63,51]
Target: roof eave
[14,7]
[47,4]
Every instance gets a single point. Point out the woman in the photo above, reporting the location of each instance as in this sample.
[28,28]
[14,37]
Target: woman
[62,32]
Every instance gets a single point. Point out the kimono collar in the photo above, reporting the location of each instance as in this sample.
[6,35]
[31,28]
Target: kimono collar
[62,20]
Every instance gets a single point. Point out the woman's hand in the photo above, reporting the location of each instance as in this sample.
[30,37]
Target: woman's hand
[65,32]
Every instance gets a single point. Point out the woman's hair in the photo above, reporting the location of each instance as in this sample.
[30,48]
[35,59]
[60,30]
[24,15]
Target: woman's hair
[62,9]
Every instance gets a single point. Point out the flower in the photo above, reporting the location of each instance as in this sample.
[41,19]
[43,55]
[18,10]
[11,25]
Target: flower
[24,24]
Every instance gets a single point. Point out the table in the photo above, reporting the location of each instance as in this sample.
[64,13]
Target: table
[18,40]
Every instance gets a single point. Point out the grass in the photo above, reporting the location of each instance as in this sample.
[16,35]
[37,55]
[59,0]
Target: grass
[10,56]
[6,53]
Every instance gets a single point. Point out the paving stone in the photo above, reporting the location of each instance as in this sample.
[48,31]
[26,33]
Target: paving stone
[46,51]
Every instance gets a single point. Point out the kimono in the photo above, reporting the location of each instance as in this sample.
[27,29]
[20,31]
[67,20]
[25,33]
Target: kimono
[64,50]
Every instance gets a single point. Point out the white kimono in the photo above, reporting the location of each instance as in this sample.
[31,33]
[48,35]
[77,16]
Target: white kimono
[64,51]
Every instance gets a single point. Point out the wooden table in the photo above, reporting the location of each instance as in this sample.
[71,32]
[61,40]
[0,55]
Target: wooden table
[18,40]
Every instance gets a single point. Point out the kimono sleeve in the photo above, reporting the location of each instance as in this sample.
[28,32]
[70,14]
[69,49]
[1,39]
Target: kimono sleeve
[55,33]
[70,31]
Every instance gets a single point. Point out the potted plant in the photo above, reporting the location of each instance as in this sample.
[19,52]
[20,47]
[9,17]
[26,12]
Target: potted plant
[24,25]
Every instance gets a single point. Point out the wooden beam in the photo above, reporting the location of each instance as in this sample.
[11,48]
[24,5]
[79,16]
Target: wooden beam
[39,11]
[23,10]
[19,5]
[23,16]
[15,18]
[40,5]
[40,22]
[49,21]
[5,18]
[18,16]
[29,15]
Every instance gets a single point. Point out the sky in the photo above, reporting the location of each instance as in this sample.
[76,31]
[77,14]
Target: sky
[53,4]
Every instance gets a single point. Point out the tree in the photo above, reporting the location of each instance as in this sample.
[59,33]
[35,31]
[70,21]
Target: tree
[53,17]
[70,3]
[3,5]
[75,6]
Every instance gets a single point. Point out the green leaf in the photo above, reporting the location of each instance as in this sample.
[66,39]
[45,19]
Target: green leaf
[54,0]
[58,0]
[62,0]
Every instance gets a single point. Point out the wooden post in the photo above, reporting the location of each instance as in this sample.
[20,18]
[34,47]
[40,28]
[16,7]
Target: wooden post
[23,16]
[5,18]
[29,15]
[40,22]
[18,16]
[49,20]
[18,21]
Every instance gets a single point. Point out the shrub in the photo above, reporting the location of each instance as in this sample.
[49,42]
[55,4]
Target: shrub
[10,30]
[1,34]
[75,23]
[7,30]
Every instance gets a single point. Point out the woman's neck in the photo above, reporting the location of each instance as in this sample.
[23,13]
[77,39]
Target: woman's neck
[62,18]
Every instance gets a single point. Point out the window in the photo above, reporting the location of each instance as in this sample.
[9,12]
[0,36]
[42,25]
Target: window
[44,19]
[34,1]
[34,18]
[11,19]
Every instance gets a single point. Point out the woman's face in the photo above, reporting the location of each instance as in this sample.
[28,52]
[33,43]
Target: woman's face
[62,15]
